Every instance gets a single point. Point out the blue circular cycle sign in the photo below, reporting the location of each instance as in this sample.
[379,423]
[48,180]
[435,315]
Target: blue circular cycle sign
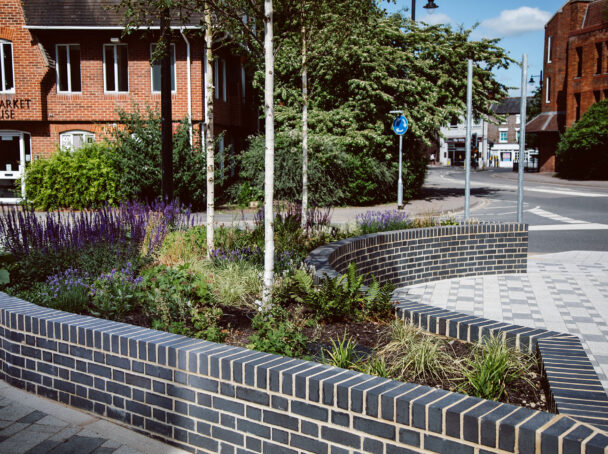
[400,125]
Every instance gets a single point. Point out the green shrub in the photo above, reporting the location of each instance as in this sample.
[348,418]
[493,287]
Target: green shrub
[168,296]
[115,294]
[337,298]
[137,154]
[342,353]
[205,321]
[84,178]
[491,367]
[582,152]
[278,333]
[413,355]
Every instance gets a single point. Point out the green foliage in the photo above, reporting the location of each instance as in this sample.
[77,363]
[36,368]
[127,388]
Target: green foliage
[205,320]
[278,333]
[491,367]
[84,178]
[358,70]
[412,354]
[327,169]
[582,152]
[169,294]
[137,149]
[114,295]
[337,298]
[342,353]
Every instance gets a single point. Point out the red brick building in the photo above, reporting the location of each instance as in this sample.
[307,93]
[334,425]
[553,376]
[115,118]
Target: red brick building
[575,71]
[65,71]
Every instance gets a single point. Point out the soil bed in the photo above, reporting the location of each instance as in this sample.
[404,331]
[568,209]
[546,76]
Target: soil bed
[370,335]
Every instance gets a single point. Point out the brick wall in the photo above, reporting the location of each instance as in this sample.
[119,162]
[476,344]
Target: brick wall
[420,255]
[208,397]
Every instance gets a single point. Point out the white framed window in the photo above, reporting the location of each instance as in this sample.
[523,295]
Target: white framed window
[503,135]
[68,68]
[548,90]
[115,68]
[73,140]
[517,119]
[549,49]
[7,82]
[517,135]
[155,70]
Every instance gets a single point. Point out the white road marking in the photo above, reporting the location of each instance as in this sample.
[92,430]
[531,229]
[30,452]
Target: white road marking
[555,217]
[529,188]
[554,227]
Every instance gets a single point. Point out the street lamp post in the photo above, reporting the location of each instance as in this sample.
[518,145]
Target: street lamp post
[429,5]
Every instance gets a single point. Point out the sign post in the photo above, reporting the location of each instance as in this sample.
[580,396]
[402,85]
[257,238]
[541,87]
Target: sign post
[400,126]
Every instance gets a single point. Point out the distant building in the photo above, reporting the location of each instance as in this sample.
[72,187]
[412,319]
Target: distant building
[575,71]
[497,140]
[65,70]
[453,141]
[503,136]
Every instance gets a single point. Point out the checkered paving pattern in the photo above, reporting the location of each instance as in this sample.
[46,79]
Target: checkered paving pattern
[564,292]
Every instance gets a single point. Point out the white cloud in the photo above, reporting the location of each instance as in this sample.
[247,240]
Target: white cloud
[436,18]
[512,22]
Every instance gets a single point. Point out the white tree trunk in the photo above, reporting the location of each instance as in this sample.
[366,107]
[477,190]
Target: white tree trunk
[209,90]
[269,155]
[304,127]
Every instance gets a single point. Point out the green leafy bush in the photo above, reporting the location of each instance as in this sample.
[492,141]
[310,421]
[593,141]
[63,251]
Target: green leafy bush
[115,294]
[169,295]
[278,333]
[137,149]
[85,178]
[337,298]
[582,152]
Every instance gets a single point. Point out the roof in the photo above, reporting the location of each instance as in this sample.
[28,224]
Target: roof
[597,14]
[509,106]
[546,122]
[75,14]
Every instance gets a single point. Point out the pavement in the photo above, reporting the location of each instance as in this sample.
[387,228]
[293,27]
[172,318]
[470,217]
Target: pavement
[34,425]
[566,292]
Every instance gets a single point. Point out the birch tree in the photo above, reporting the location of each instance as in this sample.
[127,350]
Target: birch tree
[269,155]
[209,145]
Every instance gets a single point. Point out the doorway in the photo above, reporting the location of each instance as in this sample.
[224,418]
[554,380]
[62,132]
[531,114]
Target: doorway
[15,151]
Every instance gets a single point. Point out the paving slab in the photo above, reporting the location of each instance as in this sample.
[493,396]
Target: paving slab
[34,425]
[565,292]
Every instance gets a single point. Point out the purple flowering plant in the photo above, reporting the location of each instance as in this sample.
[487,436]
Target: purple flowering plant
[115,294]
[96,240]
[68,291]
[383,221]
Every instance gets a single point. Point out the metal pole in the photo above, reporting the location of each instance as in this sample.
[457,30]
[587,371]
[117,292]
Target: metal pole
[522,141]
[467,159]
[400,182]
[413,10]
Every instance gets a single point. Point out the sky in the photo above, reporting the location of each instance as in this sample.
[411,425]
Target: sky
[518,23]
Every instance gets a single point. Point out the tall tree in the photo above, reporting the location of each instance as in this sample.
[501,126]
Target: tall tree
[269,158]
[209,144]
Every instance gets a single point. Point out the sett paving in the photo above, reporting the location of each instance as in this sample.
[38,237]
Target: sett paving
[32,425]
[565,292]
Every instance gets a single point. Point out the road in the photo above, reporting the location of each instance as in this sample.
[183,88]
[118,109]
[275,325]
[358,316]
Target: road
[562,215]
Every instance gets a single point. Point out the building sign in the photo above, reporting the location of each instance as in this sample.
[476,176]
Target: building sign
[9,106]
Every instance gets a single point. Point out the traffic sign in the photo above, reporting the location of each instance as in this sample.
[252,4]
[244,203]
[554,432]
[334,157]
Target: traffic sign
[400,125]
